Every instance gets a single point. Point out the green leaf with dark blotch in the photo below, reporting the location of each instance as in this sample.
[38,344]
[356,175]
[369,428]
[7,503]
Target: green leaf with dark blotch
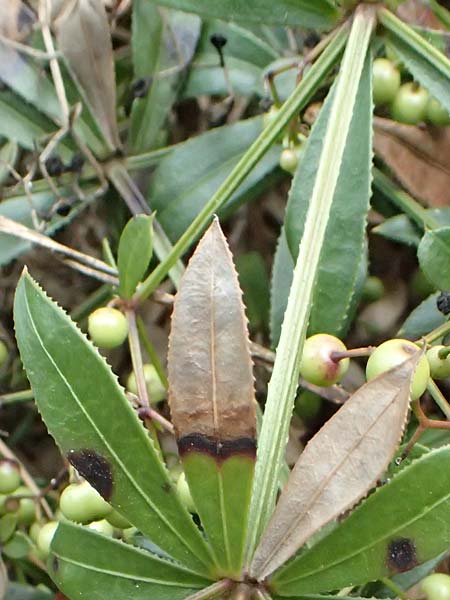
[255,286]
[20,209]
[245,55]
[434,257]
[211,396]
[316,14]
[282,273]
[163,41]
[134,254]
[201,165]
[399,229]
[423,60]
[17,591]
[340,256]
[415,528]
[423,319]
[91,566]
[95,426]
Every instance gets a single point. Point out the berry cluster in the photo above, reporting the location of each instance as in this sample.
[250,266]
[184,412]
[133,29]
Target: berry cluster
[408,102]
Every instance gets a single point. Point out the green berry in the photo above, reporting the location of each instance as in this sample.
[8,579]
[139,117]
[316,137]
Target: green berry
[185,493]
[9,476]
[79,502]
[3,353]
[437,114]
[386,81]
[26,512]
[34,530]
[108,327]
[439,367]
[45,537]
[394,352]
[289,158]
[410,104]
[102,527]
[316,365]
[436,586]
[117,520]
[308,405]
[156,390]
[373,289]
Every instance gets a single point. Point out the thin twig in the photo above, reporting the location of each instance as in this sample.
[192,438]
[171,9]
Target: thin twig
[216,590]
[90,272]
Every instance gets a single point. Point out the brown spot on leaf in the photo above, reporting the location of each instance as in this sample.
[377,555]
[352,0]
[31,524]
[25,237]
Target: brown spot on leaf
[55,564]
[401,555]
[218,449]
[94,468]
[166,487]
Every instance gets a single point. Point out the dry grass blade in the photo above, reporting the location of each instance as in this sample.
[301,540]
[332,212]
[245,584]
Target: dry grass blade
[419,158]
[84,38]
[339,466]
[210,370]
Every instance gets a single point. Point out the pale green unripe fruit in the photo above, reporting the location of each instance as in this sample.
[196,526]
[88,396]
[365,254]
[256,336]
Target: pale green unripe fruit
[410,104]
[103,527]
[108,327]
[26,512]
[394,352]
[316,365]
[386,81]
[436,586]
[185,493]
[45,537]
[3,353]
[79,502]
[436,113]
[34,531]
[9,476]
[117,520]
[289,159]
[155,388]
[439,367]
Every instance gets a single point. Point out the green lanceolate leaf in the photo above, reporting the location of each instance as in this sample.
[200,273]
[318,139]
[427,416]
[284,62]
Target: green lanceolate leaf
[282,273]
[426,63]
[306,13]
[255,286]
[201,165]
[403,229]
[434,257]
[83,561]
[163,45]
[423,319]
[211,396]
[340,255]
[283,383]
[415,505]
[134,254]
[338,466]
[95,426]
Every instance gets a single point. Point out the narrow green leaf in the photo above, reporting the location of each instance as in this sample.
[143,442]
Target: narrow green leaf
[84,563]
[399,229]
[254,282]
[315,14]
[422,59]
[211,396]
[96,427]
[201,165]
[423,319]
[434,257]
[163,44]
[134,254]
[415,505]
[8,157]
[340,255]
[283,384]
[282,273]
[301,95]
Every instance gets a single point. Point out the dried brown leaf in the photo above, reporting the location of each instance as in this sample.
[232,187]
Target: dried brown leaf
[16,20]
[417,13]
[338,466]
[418,157]
[210,371]
[84,38]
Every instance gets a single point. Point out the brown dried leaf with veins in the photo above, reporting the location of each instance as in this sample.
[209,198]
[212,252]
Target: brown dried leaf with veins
[84,38]
[210,371]
[338,466]
[418,157]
